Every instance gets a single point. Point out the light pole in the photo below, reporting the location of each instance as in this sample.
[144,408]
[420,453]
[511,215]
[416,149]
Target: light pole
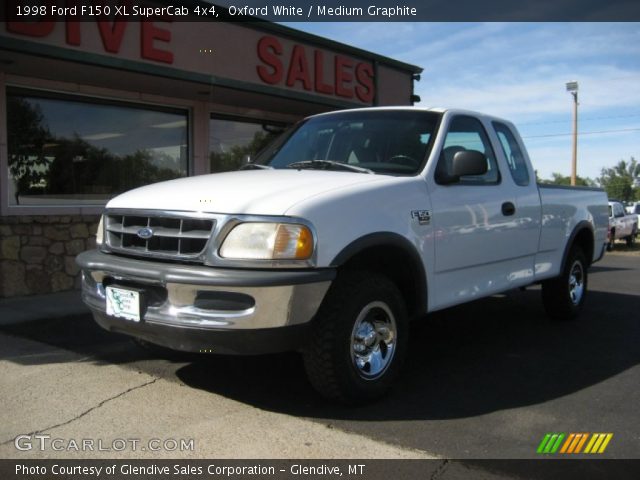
[572,88]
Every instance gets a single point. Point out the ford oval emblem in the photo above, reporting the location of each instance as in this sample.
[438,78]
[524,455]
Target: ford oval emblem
[145,233]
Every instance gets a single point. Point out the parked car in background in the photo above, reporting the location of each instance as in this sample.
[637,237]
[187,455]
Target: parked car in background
[634,209]
[621,225]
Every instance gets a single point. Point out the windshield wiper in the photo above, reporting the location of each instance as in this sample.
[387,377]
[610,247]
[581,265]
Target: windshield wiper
[328,164]
[255,166]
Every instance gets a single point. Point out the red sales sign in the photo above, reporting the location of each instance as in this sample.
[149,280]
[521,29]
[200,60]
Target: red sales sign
[307,69]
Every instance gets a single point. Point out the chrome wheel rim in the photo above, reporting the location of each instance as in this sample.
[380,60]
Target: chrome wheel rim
[576,282]
[373,340]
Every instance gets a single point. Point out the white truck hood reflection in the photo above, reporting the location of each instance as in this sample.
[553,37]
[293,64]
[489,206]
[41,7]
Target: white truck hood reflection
[257,192]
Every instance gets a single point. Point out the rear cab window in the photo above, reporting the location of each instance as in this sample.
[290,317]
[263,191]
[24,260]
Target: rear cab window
[513,154]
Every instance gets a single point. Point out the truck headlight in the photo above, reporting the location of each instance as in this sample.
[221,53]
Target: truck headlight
[268,241]
[100,232]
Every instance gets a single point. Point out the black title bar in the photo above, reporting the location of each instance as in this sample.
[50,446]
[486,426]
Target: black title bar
[584,469]
[325,10]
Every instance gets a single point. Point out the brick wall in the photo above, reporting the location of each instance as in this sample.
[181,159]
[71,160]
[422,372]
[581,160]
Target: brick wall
[37,253]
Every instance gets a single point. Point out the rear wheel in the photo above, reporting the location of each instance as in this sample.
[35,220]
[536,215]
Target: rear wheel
[359,340]
[612,239]
[564,295]
[631,239]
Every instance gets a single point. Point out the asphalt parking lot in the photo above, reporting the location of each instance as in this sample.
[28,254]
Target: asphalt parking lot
[483,380]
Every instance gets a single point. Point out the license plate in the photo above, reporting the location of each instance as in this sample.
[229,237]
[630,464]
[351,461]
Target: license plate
[123,303]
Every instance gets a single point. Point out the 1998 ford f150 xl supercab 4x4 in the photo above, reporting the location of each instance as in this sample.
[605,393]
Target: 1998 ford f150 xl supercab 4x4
[341,231]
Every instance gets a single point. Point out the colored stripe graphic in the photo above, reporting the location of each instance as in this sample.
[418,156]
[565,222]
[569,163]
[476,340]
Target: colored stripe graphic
[605,443]
[552,440]
[597,443]
[567,442]
[591,442]
[550,443]
[543,443]
[583,439]
[556,445]
[577,438]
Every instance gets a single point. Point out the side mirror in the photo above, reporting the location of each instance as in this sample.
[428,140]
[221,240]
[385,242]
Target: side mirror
[469,162]
[466,162]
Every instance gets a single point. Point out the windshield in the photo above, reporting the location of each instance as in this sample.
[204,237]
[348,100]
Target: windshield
[378,141]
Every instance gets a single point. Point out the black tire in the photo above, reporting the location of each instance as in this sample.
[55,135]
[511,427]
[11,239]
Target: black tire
[612,239]
[563,296]
[335,358]
[631,239]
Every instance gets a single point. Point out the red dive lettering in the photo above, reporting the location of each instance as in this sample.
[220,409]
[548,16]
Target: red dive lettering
[148,34]
[111,32]
[39,28]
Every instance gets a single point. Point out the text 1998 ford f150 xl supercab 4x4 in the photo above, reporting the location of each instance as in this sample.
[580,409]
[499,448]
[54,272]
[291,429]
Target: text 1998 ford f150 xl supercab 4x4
[344,229]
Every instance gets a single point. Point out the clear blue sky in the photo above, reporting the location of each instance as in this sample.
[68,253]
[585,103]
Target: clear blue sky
[518,71]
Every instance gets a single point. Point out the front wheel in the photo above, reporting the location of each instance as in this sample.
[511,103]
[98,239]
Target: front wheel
[631,239]
[564,295]
[359,339]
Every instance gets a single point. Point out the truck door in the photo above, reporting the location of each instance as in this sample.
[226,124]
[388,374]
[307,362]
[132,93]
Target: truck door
[476,222]
[513,158]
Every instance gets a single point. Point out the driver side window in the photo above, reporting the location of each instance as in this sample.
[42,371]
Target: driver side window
[467,133]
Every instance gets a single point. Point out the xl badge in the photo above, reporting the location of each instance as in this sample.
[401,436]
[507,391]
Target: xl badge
[423,216]
[145,233]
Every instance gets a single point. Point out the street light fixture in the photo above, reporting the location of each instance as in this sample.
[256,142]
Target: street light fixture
[572,88]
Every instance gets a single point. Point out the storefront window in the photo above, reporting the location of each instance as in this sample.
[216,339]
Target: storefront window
[65,151]
[232,141]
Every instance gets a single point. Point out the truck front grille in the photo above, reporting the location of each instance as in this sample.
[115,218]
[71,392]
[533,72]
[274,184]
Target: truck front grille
[165,235]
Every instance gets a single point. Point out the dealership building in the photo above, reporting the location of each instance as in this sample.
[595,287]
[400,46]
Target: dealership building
[94,108]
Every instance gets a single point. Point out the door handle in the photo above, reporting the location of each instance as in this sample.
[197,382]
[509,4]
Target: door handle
[508,209]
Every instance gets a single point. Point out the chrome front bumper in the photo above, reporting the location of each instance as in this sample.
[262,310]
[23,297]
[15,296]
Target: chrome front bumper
[201,301]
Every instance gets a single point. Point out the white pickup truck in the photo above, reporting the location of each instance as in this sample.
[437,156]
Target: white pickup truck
[346,228]
[621,225]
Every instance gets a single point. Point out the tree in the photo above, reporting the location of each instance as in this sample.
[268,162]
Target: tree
[619,181]
[27,135]
[559,179]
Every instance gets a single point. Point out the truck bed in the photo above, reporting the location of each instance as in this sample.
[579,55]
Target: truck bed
[564,207]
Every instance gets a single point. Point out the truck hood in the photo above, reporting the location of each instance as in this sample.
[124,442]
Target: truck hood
[256,192]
